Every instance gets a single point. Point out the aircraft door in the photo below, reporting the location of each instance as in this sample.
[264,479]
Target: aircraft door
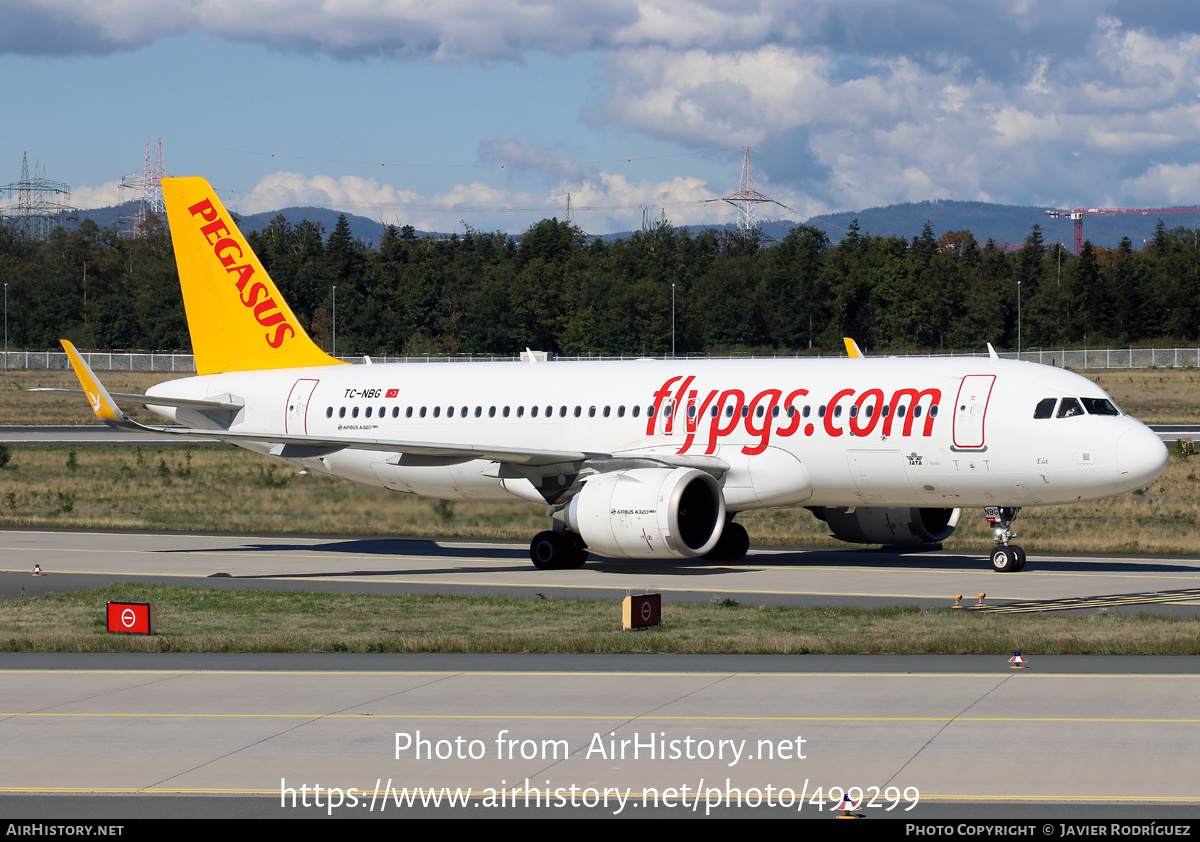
[969,410]
[296,420]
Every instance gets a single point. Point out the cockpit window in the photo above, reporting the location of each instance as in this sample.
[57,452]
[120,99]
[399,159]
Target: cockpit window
[1045,408]
[1069,407]
[1099,406]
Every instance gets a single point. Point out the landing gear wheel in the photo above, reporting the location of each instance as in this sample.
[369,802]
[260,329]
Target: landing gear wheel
[1004,560]
[577,552]
[1020,557]
[732,545]
[548,550]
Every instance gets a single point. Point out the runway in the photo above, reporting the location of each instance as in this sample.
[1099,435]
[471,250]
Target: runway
[93,736]
[73,560]
[657,735]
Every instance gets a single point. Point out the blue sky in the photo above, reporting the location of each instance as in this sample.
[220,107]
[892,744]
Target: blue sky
[490,113]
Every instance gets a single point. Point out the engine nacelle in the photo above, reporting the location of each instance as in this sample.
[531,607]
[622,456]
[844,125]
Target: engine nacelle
[896,527]
[648,513]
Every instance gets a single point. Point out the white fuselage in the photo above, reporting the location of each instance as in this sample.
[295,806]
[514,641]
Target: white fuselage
[839,432]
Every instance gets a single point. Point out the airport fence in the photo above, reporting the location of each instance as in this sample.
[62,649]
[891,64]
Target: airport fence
[168,362]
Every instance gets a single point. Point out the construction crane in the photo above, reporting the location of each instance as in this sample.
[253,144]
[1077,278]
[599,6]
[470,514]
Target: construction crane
[1078,214]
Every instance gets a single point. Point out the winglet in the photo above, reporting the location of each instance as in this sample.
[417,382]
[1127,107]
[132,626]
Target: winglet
[992,352]
[852,349]
[102,403]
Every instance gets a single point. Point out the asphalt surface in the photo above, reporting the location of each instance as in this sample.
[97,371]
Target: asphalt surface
[230,735]
[73,560]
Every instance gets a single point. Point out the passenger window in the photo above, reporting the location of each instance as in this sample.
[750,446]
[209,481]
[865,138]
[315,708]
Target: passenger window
[408,413]
[1069,408]
[533,411]
[636,409]
[729,412]
[821,411]
[933,411]
[745,411]
[437,412]
[562,412]
[807,409]
[917,411]
[775,411]
[395,412]
[591,412]
[422,412]
[621,411]
[649,411]
[607,411]
[492,411]
[479,411]
[714,412]
[758,413]
[354,412]
[578,411]
[549,411]
[853,410]
[449,412]
[464,411]
[837,411]
[1045,408]
[368,412]
[329,412]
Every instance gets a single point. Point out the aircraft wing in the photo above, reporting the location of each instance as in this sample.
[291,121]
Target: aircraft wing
[303,446]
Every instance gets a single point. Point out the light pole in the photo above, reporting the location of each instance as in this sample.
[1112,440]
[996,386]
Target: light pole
[1018,319]
[672,321]
[6,326]
[335,320]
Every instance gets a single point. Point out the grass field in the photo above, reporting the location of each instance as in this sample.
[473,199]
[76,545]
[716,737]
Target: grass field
[212,620]
[225,489]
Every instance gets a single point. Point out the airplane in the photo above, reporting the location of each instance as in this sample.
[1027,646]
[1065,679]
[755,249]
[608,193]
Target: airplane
[645,459]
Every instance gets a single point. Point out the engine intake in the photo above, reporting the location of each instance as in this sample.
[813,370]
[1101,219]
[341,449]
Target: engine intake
[648,513]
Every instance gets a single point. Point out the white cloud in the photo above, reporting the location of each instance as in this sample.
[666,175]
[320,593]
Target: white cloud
[1164,185]
[101,196]
[602,202]
[284,189]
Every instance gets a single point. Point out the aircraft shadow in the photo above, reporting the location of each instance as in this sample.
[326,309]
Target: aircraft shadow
[820,557]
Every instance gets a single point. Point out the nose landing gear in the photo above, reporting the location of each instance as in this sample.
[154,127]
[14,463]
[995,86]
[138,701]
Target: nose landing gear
[1006,557]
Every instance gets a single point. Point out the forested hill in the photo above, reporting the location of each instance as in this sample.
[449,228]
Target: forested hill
[1001,223]
[558,290]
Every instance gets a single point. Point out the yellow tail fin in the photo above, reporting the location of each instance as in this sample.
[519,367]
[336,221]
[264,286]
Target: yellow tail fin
[236,315]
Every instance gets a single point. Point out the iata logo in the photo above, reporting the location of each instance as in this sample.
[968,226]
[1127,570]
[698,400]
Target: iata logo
[771,413]
[229,252]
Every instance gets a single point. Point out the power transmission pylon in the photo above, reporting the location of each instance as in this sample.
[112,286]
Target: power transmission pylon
[746,198]
[42,205]
[149,181]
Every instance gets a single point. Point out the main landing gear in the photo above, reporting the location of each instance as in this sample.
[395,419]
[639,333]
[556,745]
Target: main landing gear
[557,551]
[732,545]
[1006,557]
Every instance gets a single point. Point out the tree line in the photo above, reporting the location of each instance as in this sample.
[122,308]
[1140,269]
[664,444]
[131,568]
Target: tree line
[555,289]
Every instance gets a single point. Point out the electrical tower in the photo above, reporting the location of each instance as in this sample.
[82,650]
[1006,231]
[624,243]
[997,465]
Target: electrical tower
[149,182]
[1079,213]
[42,205]
[746,198]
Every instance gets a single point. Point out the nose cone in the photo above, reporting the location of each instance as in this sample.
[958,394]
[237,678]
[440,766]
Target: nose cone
[1141,457]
